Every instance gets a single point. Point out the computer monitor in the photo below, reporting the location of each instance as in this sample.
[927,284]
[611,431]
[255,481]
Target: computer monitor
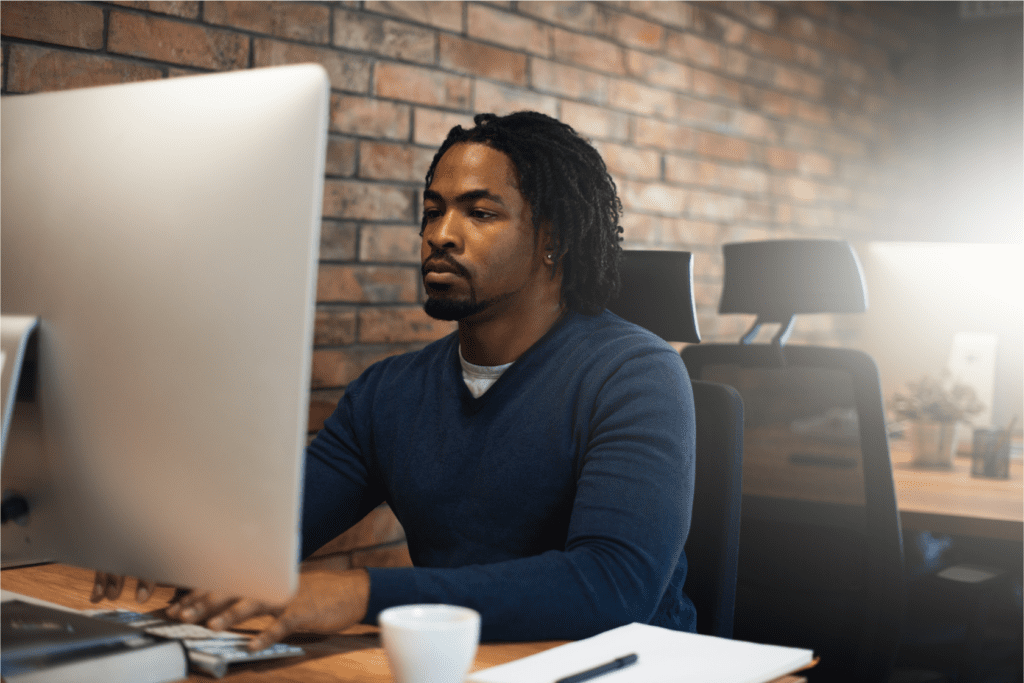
[166,234]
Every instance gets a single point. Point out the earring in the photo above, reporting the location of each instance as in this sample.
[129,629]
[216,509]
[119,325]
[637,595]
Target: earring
[550,257]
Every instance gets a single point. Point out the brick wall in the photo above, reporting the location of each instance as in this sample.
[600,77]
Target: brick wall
[719,122]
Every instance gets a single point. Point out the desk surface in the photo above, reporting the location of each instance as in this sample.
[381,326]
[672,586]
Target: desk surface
[353,656]
[952,501]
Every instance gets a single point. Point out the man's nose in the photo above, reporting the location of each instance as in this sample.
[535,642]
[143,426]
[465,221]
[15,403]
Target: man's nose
[444,232]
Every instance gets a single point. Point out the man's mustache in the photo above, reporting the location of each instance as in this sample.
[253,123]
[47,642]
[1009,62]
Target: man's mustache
[441,262]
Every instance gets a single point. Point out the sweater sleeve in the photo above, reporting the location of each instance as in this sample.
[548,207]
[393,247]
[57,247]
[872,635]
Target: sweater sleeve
[338,486]
[629,522]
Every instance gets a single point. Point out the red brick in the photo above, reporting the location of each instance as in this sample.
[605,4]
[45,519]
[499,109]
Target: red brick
[635,32]
[379,527]
[176,42]
[630,162]
[840,42]
[659,71]
[690,48]
[478,59]
[60,23]
[346,72]
[595,122]
[322,403]
[770,45]
[337,240]
[366,32]
[185,10]
[689,171]
[653,197]
[770,102]
[588,51]
[400,324]
[390,243]
[431,126]
[687,233]
[335,325]
[641,99]
[387,556]
[640,229]
[502,99]
[339,367]
[371,201]
[585,16]
[38,69]
[568,81]
[422,86]
[722,147]
[812,163]
[341,157]
[813,113]
[367,284]
[781,159]
[297,21]
[510,30]
[761,14]
[715,206]
[369,117]
[799,27]
[751,125]
[707,84]
[667,136]
[390,161]
[677,14]
[446,15]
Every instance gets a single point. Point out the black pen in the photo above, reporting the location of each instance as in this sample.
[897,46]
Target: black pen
[614,665]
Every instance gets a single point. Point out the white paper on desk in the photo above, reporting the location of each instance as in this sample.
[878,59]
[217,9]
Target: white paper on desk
[663,656]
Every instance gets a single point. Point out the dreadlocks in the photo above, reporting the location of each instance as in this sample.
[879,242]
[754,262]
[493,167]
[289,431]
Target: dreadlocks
[569,191]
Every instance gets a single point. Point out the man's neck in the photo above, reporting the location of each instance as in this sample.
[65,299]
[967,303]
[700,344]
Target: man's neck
[504,338]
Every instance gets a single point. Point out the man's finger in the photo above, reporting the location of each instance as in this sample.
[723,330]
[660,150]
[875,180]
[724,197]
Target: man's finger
[278,631]
[99,587]
[114,586]
[144,590]
[237,613]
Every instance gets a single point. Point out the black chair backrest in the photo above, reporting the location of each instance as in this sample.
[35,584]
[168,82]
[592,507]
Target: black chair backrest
[657,293]
[713,544]
[821,557]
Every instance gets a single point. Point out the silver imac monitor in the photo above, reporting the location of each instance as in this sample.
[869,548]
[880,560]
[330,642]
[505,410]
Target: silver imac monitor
[165,234]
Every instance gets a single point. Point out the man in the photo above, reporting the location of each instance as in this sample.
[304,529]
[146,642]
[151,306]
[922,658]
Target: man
[540,459]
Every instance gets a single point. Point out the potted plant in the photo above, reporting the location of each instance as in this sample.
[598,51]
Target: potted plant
[932,407]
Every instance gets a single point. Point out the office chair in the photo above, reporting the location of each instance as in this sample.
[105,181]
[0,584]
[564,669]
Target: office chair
[821,558]
[657,294]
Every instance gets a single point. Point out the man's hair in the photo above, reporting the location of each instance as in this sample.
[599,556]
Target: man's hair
[570,193]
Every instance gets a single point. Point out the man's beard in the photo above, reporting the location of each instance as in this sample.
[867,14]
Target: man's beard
[453,309]
[457,309]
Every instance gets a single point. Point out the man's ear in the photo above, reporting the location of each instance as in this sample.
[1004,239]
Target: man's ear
[549,247]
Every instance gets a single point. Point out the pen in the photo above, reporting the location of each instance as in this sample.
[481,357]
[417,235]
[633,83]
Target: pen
[614,665]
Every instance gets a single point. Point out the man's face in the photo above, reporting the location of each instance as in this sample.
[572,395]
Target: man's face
[479,252]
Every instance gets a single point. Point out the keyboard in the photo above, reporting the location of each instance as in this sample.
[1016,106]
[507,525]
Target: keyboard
[209,651]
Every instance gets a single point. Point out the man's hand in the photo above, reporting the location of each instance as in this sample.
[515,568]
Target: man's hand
[109,586]
[326,601]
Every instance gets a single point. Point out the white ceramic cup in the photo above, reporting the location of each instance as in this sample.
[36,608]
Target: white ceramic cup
[429,643]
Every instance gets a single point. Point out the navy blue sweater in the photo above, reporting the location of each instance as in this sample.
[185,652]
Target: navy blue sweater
[557,504]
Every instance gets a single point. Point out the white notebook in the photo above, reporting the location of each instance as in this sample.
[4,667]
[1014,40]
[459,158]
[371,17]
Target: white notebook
[663,655]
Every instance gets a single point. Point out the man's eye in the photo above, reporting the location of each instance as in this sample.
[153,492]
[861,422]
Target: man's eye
[431,214]
[480,213]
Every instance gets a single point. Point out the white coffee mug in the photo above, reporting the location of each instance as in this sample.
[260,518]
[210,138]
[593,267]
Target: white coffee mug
[429,643]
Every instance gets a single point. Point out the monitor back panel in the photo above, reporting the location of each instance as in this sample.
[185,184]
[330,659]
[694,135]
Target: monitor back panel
[167,234]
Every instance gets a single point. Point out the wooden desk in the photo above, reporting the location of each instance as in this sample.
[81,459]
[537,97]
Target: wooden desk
[951,501]
[354,656]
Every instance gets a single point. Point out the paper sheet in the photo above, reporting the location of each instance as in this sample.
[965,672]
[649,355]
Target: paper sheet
[663,656]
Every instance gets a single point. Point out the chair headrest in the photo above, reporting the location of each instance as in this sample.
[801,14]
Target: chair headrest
[657,293]
[777,279]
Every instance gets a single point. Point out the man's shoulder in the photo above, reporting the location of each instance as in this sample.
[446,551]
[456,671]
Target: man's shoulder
[608,330]
[427,359]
